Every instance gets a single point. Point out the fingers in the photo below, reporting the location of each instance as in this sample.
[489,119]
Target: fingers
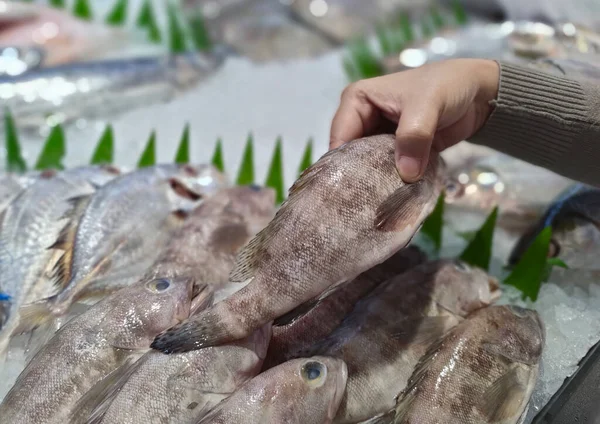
[355,118]
[414,136]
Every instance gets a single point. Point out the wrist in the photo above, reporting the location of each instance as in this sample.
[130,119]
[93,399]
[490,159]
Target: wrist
[488,80]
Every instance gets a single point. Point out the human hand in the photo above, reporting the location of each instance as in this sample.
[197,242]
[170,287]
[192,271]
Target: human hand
[434,106]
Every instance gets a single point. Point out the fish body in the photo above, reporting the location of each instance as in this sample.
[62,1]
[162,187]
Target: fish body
[347,213]
[95,90]
[574,217]
[300,391]
[127,223]
[91,346]
[30,225]
[482,372]
[315,320]
[181,389]
[13,184]
[520,191]
[383,338]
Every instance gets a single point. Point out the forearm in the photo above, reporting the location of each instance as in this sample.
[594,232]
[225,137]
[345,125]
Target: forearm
[548,120]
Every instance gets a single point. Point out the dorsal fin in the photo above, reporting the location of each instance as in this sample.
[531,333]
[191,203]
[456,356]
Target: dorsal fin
[66,239]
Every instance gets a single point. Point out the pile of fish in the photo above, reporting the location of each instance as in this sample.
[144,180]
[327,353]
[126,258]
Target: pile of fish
[213,307]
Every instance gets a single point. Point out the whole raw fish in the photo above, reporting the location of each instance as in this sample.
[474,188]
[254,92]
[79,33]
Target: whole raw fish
[100,89]
[482,372]
[30,225]
[574,217]
[300,391]
[125,224]
[181,389]
[383,338]
[347,213]
[316,319]
[91,346]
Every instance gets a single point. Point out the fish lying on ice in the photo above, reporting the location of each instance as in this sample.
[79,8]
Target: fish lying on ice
[482,372]
[124,225]
[300,391]
[30,225]
[387,333]
[316,319]
[91,346]
[345,214]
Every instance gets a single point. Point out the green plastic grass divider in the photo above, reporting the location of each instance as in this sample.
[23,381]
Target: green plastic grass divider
[275,175]
[83,10]
[59,4]
[199,33]
[433,227]
[118,14]
[183,151]
[147,19]
[479,251]
[148,157]
[306,157]
[177,39]
[246,172]
[54,151]
[104,153]
[14,158]
[217,157]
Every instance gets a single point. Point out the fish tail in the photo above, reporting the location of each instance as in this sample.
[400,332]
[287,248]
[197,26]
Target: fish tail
[36,314]
[200,331]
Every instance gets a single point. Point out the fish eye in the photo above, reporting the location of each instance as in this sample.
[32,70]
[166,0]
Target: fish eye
[553,249]
[314,373]
[453,188]
[190,170]
[112,169]
[461,266]
[158,285]
[518,311]
[255,187]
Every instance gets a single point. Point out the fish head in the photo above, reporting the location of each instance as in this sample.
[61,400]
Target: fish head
[104,174]
[475,187]
[461,288]
[515,333]
[254,203]
[576,241]
[314,386]
[201,179]
[145,309]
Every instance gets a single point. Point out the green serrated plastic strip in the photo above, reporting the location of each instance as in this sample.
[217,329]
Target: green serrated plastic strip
[183,152]
[246,172]
[148,157]
[14,159]
[433,226]
[60,4]
[529,272]
[177,40]
[479,251]
[217,157]
[306,157]
[200,36]
[54,151]
[147,19]
[118,15]
[83,10]
[104,153]
[275,175]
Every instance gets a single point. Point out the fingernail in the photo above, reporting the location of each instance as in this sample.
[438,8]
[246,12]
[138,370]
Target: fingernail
[409,167]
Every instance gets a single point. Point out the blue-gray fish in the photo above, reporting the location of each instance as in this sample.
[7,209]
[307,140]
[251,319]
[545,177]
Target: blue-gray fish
[123,227]
[30,225]
[95,90]
[482,372]
[300,391]
[347,213]
[91,346]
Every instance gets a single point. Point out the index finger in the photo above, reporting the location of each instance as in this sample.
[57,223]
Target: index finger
[355,117]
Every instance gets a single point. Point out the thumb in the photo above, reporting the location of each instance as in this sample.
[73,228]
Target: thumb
[414,136]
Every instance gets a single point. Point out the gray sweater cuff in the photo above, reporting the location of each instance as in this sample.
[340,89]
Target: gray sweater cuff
[537,116]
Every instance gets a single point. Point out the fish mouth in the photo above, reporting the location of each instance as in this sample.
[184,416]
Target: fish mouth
[495,291]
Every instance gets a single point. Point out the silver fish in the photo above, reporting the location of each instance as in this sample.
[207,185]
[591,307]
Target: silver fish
[123,226]
[263,30]
[520,190]
[316,319]
[482,372]
[181,389]
[91,346]
[30,225]
[13,184]
[345,214]
[383,338]
[95,90]
[300,391]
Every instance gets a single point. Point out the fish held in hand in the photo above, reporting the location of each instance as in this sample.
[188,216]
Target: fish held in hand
[181,389]
[346,213]
[383,338]
[300,391]
[91,346]
[123,226]
[482,372]
[316,319]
